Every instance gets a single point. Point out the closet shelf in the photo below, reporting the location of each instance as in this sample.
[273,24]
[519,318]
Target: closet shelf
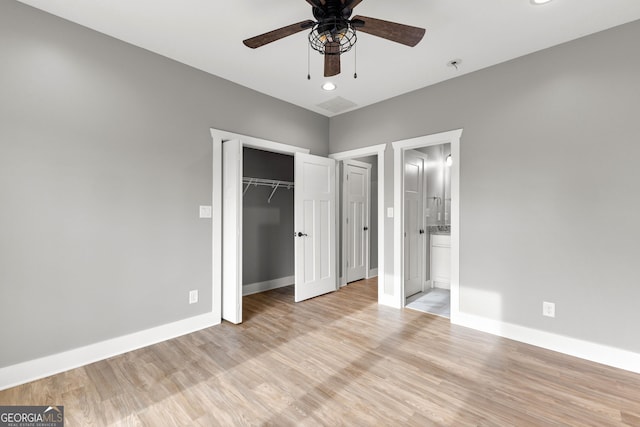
[273,183]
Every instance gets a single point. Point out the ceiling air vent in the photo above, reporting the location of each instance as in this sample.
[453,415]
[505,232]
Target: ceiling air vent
[337,105]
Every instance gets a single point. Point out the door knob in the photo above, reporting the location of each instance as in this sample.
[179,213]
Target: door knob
[366,228]
[421,231]
[300,234]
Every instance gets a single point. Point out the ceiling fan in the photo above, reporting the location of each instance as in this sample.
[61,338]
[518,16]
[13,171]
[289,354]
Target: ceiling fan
[334,31]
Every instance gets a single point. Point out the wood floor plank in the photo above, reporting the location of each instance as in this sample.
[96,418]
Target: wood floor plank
[339,359]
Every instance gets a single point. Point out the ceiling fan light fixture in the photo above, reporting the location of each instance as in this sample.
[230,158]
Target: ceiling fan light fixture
[340,32]
[540,2]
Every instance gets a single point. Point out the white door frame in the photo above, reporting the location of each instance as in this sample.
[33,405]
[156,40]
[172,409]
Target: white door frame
[383,297]
[345,204]
[232,232]
[218,136]
[453,138]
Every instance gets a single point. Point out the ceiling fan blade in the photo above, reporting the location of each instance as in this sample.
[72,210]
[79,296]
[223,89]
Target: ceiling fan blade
[278,34]
[331,59]
[350,3]
[399,33]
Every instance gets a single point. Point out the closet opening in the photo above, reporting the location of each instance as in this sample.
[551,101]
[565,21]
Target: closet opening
[268,258]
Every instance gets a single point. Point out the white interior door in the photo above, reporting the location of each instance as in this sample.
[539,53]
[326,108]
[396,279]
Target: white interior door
[314,222]
[414,232]
[232,231]
[357,220]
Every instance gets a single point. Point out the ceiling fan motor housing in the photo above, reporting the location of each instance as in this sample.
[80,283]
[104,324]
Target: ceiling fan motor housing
[333,34]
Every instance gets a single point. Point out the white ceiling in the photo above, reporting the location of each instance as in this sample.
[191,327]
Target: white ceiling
[208,34]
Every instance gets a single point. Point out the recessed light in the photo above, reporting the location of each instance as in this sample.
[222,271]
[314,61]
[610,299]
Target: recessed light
[328,86]
[539,2]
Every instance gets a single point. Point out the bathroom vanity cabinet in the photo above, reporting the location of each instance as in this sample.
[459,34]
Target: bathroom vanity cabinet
[441,261]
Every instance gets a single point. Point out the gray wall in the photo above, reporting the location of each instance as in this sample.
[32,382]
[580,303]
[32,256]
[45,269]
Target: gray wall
[267,228]
[550,184]
[105,155]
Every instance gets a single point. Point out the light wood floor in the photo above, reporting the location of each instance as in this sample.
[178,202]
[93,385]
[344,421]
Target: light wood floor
[336,360]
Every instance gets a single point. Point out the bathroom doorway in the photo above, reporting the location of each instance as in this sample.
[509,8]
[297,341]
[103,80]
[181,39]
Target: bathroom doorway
[426,223]
[427,229]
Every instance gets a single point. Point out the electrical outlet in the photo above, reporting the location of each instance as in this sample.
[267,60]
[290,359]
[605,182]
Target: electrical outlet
[548,309]
[193,297]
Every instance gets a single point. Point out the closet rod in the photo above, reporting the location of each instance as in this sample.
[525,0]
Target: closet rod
[273,183]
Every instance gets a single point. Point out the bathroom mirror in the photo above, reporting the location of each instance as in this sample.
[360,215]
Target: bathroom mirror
[438,185]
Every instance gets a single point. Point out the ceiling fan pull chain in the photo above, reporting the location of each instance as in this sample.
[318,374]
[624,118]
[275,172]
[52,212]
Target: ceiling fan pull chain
[355,61]
[308,62]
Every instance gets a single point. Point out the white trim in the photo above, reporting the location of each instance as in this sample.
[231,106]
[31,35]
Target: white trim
[427,285]
[452,137]
[383,298]
[232,231]
[216,230]
[267,285]
[587,350]
[455,228]
[32,370]
[340,204]
[359,152]
[259,143]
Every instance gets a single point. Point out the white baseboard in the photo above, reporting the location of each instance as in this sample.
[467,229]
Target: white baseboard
[373,273]
[587,350]
[36,369]
[389,301]
[267,285]
[441,285]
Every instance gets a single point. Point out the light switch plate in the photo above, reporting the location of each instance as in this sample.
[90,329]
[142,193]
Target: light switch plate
[205,211]
[389,212]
